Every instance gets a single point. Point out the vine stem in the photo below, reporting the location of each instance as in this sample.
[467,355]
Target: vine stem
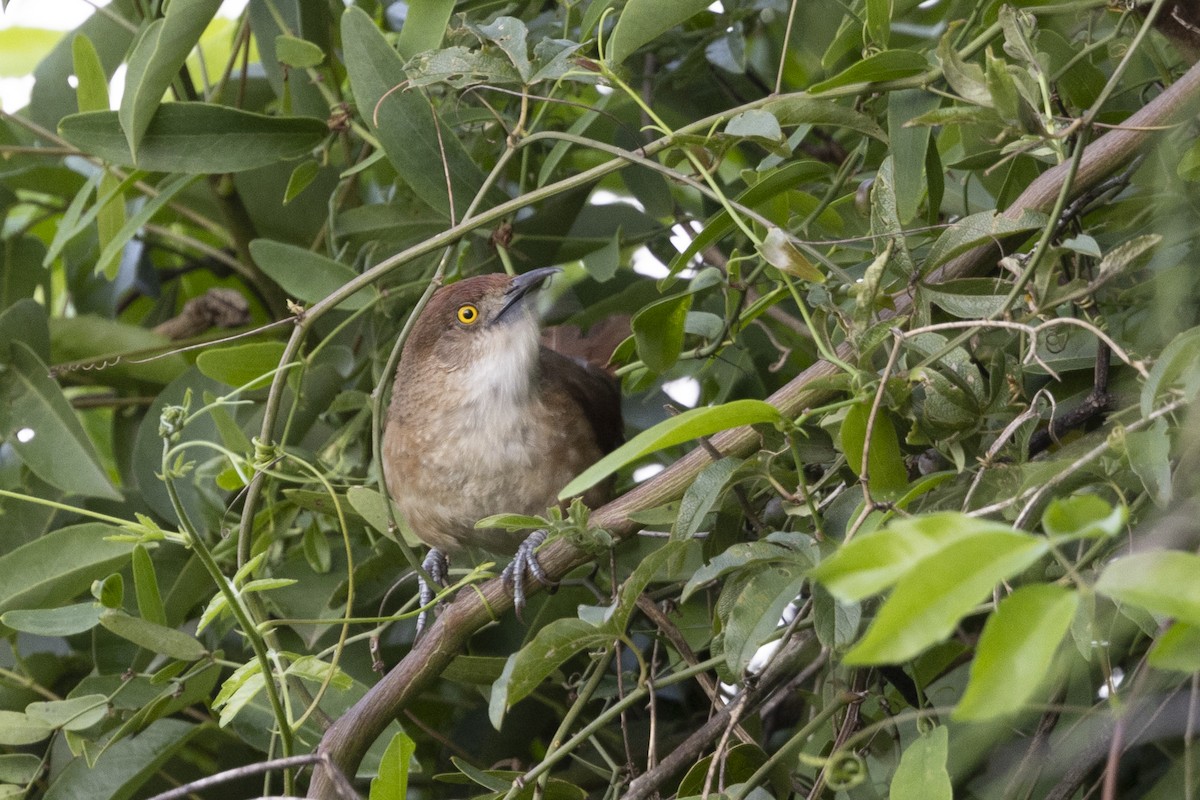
[350,736]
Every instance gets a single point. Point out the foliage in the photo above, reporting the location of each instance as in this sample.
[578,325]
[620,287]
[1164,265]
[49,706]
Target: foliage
[938,539]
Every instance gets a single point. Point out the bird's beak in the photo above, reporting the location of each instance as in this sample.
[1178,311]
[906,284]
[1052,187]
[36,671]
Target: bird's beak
[521,286]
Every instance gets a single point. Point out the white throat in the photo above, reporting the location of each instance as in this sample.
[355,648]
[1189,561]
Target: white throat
[502,376]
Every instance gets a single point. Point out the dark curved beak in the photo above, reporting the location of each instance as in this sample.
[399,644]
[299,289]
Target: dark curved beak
[523,285]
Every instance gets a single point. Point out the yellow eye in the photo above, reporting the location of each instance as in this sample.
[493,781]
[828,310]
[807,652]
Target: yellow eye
[468,314]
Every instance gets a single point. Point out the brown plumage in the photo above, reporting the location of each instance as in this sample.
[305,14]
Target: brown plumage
[485,420]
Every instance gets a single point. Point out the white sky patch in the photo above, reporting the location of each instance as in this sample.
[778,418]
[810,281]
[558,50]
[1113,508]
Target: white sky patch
[1118,677]
[716,7]
[685,391]
[25,435]
[603,197]
[58,15]
[66,15]
[647,472]
[15,92]
[116,88]
[645,263]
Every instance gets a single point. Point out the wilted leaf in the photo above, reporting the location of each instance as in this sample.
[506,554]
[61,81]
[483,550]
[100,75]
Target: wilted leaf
[779,251]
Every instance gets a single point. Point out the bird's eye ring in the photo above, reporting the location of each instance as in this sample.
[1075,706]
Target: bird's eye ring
[468,314]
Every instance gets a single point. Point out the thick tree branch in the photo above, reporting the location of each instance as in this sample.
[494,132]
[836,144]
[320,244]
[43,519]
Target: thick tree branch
[348,739]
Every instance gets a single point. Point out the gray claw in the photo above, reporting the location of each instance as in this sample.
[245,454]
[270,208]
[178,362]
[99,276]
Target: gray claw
[525,559]
[437,567]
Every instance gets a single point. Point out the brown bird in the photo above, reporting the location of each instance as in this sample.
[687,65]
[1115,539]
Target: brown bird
[485,420]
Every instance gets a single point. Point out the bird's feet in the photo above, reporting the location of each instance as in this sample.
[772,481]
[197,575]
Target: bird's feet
[437,567]
[525,559]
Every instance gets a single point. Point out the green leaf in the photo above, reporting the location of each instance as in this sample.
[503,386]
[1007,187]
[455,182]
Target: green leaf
[964,78]
[242,365]
[755,612]
[63,621]
[928,602]
[405,123]
[1159,581]
[872,562]
[19,768]
[921,774]
[1178,649]
[967,298]
[44,431]
[642,21]
[658,331]
[1083,516]
[777,182]
[123,767]
[145,585]
[297,52]
[197,139]
[908,146]
[603,263]
[1149,454]
[306,275]
[802,110]
[91,88]
[157,56]
[152,636]
[424,28]
[886,473]
[73,714]
[681,428]
[511,35]
[108,262]
[1179,363]
[888,65]
[665,559]
[392,781]
[755,124]
[879,21]
[534,662]
[302,176]
[97,339]
[835,623]
[982,228]
[92,94]
[1016,650]
[701,496]
[17,729]
[1119,258]
[59,565]
[110,591]
[25,321]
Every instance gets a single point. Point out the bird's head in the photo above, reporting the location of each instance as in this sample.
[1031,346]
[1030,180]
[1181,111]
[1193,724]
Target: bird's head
[485,322]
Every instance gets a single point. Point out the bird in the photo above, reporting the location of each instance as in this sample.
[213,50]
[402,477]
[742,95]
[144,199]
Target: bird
[484,419]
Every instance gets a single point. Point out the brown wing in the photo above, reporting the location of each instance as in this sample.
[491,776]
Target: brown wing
[596,392]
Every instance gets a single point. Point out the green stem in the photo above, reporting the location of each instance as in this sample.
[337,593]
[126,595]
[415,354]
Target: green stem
[249,630]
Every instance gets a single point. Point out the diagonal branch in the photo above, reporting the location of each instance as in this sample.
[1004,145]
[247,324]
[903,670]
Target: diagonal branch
[350,736]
